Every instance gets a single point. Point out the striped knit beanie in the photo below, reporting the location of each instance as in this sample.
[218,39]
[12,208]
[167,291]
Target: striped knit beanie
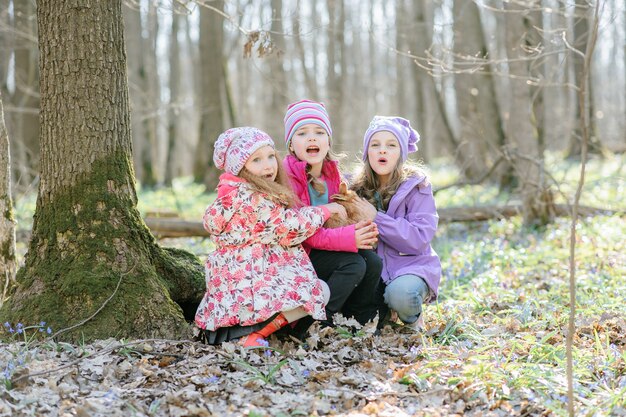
[302,113]
[234,147]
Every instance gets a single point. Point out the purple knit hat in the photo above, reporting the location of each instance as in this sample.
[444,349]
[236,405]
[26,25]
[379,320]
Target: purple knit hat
[401,129]
[304,112]
[234,147]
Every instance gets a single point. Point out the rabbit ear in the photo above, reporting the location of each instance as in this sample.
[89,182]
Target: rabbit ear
[343,188]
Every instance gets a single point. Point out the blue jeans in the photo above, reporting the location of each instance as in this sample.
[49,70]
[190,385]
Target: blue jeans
[405,295]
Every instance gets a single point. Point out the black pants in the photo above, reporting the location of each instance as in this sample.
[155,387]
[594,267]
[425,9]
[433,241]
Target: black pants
[353,279]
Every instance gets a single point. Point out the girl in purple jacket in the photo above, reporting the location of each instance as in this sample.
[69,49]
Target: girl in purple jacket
[399,199]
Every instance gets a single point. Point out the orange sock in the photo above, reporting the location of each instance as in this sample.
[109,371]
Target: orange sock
[258,338]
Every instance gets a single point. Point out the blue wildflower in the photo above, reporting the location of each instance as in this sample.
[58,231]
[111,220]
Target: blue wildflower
[212,379]
[49,330]
[263,342]
[306,373]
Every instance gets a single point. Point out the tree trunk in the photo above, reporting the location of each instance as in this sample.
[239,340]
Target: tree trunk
[277,76]
[582,17]
[309,80]
[174,112]
[150,155]
[211,103]
[25,126]
[8,264]
[431,108]
[133,37]
[481,132]
[334,78]
[6,45]
[90,249]
[419,74]
[527,158]
[402,99]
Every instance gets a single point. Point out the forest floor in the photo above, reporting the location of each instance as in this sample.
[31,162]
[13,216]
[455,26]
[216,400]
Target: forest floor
[492,345]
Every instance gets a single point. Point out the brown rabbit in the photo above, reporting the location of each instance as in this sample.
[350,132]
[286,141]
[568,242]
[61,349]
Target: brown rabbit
[346,198]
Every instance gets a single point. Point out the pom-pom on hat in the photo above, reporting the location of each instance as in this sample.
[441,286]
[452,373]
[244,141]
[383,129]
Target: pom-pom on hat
[234,147]
[401,129]
[302,113]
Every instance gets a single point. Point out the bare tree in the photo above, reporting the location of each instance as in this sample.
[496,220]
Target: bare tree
[153,129]
[335,71]
[431,109]
[309,79]
[25,122]
[582,90]
[8,264]
[481,131]
[133,30]
[211,97]
[93,268]
[582,16]
[401,102]
[523,145]
[175,97]
[277,77]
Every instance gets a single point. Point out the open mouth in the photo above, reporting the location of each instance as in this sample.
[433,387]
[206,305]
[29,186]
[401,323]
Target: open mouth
[382,161]
[313,150]
[268,176]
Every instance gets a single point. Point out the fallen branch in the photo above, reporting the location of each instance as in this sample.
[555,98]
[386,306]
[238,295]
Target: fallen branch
[163,227]
[482,213]
[173,227]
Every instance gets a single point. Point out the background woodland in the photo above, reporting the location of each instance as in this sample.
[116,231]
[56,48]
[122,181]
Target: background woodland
[105,105]
[485,82]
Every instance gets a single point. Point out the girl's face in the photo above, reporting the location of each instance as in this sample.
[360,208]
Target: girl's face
[263,163]
[383,154]
[310,143]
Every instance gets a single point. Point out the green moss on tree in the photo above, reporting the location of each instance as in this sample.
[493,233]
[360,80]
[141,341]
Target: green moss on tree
[85,240]
[8,213]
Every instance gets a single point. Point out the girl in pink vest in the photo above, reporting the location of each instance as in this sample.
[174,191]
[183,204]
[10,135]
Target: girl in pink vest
[342,257]
[259,278]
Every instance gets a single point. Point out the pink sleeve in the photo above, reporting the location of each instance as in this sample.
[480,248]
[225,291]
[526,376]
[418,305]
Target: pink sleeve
[341,239]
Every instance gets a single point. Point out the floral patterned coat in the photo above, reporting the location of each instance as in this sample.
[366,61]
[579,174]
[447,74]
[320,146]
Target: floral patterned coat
[259,267]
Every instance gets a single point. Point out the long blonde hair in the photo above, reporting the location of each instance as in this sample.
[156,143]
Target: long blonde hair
[278,190]
[366,183]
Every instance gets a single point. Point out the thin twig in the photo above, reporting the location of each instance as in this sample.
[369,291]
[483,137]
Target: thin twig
[99,309]
[582,92]
[473,182]
[373,396]
[98,353]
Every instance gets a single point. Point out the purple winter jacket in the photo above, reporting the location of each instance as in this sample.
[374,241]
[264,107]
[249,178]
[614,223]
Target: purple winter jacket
[406,230]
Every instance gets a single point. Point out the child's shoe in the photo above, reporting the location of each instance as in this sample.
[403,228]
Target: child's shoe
[417,325]
[258,338]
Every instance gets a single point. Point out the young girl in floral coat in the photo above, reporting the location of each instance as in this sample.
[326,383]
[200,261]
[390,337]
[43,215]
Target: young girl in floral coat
[258,278]
[399,199]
